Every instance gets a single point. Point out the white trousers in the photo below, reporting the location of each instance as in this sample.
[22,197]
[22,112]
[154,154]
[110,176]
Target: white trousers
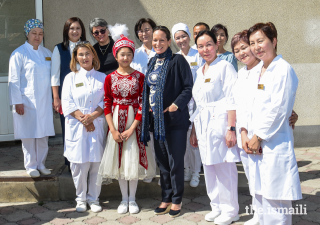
[35,151]
[222,187]
[85,178]
[192,158]
[273,211]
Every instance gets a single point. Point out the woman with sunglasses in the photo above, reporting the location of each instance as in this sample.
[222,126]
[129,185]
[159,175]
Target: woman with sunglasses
[192,160]
[214,130]
[73,32]
[246,82]
[167,91]
[99,30]
[144,32]
[82,106]
[222,36]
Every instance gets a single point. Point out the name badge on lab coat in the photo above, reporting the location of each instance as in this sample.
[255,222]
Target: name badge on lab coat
[193,63]
[260,86]
[207,80]
[79,85]
[48,58]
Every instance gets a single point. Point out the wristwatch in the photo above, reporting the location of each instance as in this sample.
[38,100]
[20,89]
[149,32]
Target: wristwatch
[231,128]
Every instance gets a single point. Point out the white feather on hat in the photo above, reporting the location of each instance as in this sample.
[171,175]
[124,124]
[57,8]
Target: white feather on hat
[117,30]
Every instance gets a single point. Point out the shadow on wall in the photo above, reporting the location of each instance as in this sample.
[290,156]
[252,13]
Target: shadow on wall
[57,12]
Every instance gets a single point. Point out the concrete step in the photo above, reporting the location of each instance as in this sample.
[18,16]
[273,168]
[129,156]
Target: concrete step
[59,186]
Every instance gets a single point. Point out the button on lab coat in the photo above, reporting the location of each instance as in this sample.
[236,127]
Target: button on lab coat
[269,111]
[83,91]
[29,84]
[212,93]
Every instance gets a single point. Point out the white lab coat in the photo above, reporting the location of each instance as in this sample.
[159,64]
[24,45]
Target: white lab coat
[212,93]
[274,174]
[141,59]
[29,84]
[82,146]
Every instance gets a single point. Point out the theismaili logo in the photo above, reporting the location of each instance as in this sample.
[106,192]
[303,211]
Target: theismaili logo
[299,209]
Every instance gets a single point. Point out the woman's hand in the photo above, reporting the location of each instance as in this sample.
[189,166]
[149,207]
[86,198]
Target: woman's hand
[90,127]
[86,119]
[20,109]
[127,133]
[56,104]
[171,108]
[193,138]
[245,141]
[254,145]
[293,119]
[116,136]
[231,139]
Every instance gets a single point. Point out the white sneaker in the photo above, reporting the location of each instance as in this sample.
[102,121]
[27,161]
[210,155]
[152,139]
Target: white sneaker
[187,174]
[225,220]
[147,180]
[212,215]
[123,207]
[81,206]
[33,173]
[95,206]
[254,220]
[195,180]
[45,171]
[159,182]
[133,207]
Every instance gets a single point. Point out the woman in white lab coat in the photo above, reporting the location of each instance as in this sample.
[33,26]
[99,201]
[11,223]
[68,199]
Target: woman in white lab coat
[273,171]
[214,130]
[248,78]
[192,161]
[82,106]
[30,96]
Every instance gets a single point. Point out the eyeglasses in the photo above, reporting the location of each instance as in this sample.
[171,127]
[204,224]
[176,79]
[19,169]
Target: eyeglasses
[102,31]
[147,30]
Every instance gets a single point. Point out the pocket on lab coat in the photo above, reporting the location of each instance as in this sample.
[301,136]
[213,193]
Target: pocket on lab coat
[218,125]
[73,129]
[278,144]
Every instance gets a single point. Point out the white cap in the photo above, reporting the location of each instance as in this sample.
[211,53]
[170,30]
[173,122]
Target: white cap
[180,26]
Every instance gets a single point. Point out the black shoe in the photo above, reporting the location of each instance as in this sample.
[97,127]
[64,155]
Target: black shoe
[161,211]
[175,213]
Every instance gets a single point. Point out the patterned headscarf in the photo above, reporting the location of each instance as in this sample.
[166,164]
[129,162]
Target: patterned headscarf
[159,129]
[32,23]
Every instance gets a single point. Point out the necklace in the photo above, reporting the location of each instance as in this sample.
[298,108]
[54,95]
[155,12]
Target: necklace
[105,50]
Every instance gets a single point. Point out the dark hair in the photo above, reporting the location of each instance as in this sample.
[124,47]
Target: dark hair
[267,28]
[202,24]
[165,30]
[138,25]
[238,37]
[219,26]
[66,28]
[84,44]
[206,32]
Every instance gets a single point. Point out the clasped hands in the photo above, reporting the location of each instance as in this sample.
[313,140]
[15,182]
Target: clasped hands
[87,121]
[250,146]
[124,136]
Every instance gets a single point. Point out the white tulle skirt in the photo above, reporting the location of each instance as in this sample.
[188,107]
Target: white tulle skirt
[130,168]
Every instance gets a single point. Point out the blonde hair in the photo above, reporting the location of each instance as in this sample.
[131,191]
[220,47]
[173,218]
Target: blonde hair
[73,62]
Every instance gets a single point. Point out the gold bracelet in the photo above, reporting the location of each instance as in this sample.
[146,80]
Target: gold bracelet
[259,139]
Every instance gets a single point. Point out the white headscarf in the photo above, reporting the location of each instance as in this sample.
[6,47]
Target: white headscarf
[180,26]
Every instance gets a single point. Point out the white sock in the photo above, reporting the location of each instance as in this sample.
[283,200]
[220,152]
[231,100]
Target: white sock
[133,184]
[124,189]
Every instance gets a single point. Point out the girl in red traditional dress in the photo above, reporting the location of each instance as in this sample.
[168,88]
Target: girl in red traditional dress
[125,157]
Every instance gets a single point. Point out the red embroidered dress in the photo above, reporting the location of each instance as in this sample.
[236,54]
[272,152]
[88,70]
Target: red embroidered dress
[126,91]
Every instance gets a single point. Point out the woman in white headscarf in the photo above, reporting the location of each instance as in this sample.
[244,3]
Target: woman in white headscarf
[192,161]
[30,96]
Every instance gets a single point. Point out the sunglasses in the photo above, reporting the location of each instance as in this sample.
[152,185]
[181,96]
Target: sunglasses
[102,31]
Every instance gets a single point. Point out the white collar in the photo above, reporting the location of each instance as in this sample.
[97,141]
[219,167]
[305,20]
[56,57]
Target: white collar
[86,72]
[30,46]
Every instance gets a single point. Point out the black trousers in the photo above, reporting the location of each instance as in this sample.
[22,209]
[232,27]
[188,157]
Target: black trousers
[170,160]
[62,119]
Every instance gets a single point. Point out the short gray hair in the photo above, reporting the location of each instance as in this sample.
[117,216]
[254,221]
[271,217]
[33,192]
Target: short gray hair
[97,22]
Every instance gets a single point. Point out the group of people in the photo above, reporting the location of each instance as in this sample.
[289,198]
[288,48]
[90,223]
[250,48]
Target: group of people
[125,110]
